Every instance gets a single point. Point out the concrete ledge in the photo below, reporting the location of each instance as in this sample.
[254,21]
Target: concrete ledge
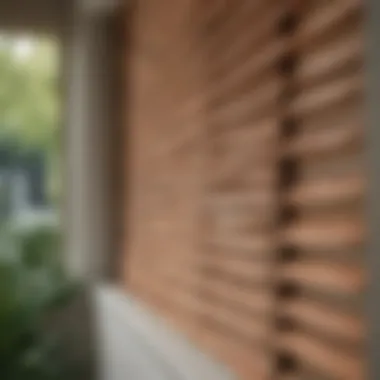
[136,345]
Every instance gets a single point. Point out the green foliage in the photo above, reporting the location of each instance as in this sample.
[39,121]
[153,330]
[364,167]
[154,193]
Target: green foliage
[33,288]
[28,91]
[29,99]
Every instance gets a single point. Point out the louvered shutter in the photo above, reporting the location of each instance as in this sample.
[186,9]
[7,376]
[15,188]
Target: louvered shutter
[322,232]
[243,87]
[165,162]
[246,222]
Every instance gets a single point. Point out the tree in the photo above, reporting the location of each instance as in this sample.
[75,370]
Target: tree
[29,101]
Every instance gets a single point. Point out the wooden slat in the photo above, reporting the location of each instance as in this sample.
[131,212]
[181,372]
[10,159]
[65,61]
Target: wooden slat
[325,60]
[325,17]
[347,112]
[251,135]
[325,234]
[338,166]
[244,47]
[326,141]
[234,35]
[213,14]
[250,70]
[328,322]
[330,192]
[250,220]
[240,269]
[327,277]
[242,212]
[249,102]
[327,95]
[255,175]
[245,327]
[325,359]
[238,164]
[258,245]
[242,199]
[254,300]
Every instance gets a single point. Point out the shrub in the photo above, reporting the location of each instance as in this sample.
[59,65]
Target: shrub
[33,287]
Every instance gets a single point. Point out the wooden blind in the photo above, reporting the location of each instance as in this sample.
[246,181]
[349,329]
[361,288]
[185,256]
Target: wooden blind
[243,87]
[247,184]
[322,234]
[165,161]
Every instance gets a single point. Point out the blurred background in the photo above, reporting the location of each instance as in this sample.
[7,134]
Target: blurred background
[30,148]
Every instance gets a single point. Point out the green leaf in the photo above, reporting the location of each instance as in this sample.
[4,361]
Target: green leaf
[32,287]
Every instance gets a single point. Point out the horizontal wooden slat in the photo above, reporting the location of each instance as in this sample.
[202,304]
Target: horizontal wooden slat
[184,302]
[213,14]
[246,328]
[329,322]
[251,135]
[327,95]
[258,245]
[250,220]
[242,211]
[346,164]
[243,199]
[254,176]
[237,166]
[325,60]
[240,269]
[214,11]
[247,102]
[232,155]
[254,68]
[325,234]
[330,192]
[326,277]
[240,41]
[323,18]
[325,359]
[244,48]
[253,300]
[326,141]
[349,111]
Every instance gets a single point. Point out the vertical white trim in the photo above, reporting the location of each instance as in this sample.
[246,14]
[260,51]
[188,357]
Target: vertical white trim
[88,130]
[82,238]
